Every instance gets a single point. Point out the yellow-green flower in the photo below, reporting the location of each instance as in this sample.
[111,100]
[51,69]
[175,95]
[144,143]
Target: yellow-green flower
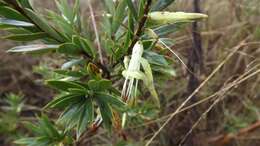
[133,74]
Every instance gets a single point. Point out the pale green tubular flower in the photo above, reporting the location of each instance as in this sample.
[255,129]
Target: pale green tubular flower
[133,74]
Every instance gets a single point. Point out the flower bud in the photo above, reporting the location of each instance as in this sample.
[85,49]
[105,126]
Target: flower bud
[173,17]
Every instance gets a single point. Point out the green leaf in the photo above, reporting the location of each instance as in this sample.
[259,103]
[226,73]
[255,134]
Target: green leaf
[99,85]
[85,117]
[33,48]
[15,22]
[132,9]
[25,141]
[119,15]
[85,44]
[69,49]
[168,70]
[32,127]
[44,121]
[11,13]
[66,10]
[168,29]
[141,8]
[46,134]
[2,3]
[77,74]
[63,25]
[155,58]
[42,23]
[17,30]
[64,101]
[25,3]
[162,4]
[27,37]
[64,85]
[148,81]
[105,112]
[71,63]
[112,100]
[70,116]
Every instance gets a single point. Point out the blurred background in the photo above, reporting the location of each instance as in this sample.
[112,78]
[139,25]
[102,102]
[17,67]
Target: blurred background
[234,121]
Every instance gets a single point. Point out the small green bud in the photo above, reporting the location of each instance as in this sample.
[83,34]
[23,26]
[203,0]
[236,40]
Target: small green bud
[173,17]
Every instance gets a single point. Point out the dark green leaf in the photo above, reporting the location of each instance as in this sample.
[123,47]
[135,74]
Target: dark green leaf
[119,15]
[99,85]
[70,73]
[70,116]
[69,49]
[49,127]
[162,4]
[141,8]
[17,30]
[64,101]
[64,26]
[85,117]
[105,112]
[27,37]
[64,85]
[10,13]
[155,58]
[66,10]
[85,44]
[25,3]
[166,70]
[114,101]
[132,9]
[42,23]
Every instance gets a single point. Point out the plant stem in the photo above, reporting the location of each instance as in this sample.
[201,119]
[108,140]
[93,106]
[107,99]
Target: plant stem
[140,26]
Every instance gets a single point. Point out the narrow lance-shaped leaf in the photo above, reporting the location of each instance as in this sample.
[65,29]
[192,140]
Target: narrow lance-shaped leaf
[132,9]
[119,15]
[141,6]
[64,85]
[69,49]
[33,48]
[11,13]
[15,22]
[84,44]
[27,37]
[63,101]
[148,80]
[85,117]
[69,117]
[105,112]
[66,10]
[115,102]
[168,29]
[25,3]
[43,24]
[162,4]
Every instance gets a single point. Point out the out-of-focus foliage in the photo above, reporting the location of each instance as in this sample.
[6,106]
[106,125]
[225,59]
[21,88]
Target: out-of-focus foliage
[10,115]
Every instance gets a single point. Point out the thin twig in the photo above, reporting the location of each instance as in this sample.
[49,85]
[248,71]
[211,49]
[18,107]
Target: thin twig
[96,32]
[195,92]
[221,93]
[140,26]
